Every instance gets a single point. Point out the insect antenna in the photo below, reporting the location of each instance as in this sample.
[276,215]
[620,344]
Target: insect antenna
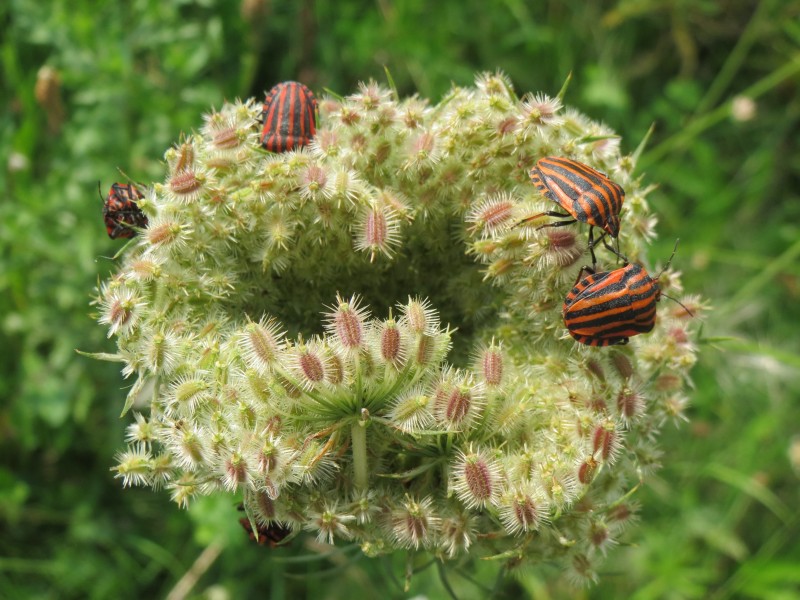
[688,312]
[669,262]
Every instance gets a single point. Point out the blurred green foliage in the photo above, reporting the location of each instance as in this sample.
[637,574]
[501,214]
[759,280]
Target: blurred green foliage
[125,79]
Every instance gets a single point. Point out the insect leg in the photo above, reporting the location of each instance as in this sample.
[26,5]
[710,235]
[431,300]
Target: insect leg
[549,213]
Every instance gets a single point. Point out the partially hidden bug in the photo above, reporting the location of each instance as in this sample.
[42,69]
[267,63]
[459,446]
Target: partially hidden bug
[608,308]
[587,195]
[288,117]
[271,535]
[121,214]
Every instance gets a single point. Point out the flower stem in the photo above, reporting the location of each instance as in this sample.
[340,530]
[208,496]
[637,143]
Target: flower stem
[359,442]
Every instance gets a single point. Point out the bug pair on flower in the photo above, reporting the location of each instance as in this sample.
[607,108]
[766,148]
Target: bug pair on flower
[602,308]
[121,213]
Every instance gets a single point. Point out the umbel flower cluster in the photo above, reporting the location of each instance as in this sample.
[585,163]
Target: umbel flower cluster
[359,339]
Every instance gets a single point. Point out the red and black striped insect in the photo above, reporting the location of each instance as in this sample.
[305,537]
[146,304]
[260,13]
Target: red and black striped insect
[289,117]
[121,214]
[587,195]
[608,308]
[272,534]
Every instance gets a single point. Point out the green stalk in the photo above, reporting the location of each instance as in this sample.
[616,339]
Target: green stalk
[358,435]
[694,128]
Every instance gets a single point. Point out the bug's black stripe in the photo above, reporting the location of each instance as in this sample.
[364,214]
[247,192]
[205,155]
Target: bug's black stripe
[289,108]
[537,178]
[273,123]
[297,129]
[615,193]
[267,104]
[583,284]
[580,212]
[596,199]
[274,115]
[618,196]
[281,125]
[579,174]
[627,329]
[270,108]
[567,180]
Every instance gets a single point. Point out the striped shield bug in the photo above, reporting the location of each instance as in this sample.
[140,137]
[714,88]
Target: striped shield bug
[272,534]
[586,195]
[121,214]
[608,308]
[288,117]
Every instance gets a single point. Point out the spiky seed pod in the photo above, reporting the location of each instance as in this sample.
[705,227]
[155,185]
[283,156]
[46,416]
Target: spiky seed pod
[490,365]
[414,522]
[312,181]
[330,524]
[188,185]
[521,511]
[261,344]
[309,364]
[346,322]
[599,535]
[188,392]
[334,367]
[271,458]
[605,441]
[377,232]
[411,412]
[235,471]
[587,470]
[478,480]
[262,507]
[133,466]
[120,311]
[492,215]
[457,533]
[419,316]
[140,432]
[390,343]
[630,403]
[164,233]
[186,443]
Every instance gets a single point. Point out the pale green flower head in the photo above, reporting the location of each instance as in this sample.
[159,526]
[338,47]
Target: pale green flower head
[361,340]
